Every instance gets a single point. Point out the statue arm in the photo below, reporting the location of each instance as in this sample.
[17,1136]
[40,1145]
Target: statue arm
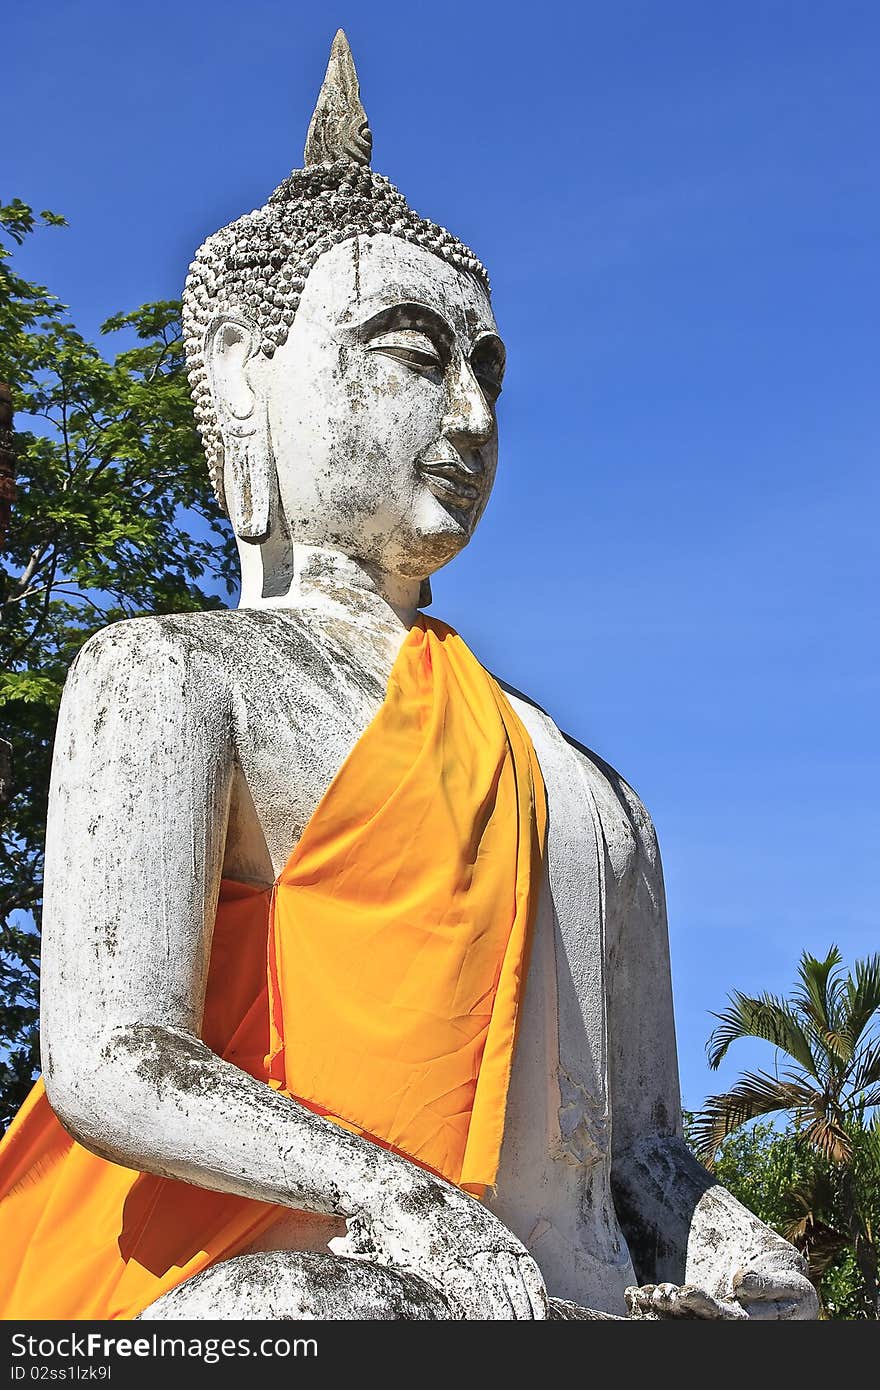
[682,1227]
[141,785]
[139,802]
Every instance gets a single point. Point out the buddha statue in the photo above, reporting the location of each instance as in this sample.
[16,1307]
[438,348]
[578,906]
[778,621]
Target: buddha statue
[356,995]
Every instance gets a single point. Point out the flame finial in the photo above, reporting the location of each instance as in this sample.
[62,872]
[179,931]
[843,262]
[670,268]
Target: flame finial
[339,127]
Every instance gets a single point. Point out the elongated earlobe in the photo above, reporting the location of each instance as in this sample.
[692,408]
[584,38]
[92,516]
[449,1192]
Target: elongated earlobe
[248,464]
[249,474]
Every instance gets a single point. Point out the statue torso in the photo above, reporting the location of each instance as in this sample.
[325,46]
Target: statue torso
[302,688]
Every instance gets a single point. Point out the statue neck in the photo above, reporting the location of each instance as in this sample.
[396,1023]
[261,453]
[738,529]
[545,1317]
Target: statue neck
[307,576]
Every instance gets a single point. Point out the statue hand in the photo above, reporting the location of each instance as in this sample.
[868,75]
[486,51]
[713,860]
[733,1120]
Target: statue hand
[659,1301]
[432,1229]
[770,1287]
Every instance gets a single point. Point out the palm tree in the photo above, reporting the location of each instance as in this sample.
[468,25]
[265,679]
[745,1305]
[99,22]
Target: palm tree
[827,1080]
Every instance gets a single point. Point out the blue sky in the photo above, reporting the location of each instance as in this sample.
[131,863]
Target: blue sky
[678,204]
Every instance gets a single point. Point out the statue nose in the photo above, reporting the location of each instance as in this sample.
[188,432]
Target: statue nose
[469,419]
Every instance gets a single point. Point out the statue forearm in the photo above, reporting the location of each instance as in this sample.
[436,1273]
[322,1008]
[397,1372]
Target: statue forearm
[158,1099]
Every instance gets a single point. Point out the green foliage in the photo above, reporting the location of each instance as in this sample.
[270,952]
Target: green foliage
[827,1030]
[818,1181]
[114,518]
[759,1165]
[840,1289]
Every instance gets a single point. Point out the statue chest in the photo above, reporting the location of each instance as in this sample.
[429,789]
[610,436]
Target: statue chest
[299,707]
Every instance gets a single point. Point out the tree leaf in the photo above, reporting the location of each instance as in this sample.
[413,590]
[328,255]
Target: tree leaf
[765,1017]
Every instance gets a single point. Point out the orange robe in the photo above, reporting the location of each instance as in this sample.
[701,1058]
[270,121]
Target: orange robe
[378,982]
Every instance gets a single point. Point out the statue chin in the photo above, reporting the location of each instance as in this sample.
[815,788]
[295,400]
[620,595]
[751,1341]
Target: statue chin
[412,544]
[415,555]
[422,552]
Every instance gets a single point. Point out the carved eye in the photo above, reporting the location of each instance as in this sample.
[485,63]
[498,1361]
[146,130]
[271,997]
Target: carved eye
[410,346]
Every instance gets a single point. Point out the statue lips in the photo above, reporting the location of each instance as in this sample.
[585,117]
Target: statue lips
[450,480]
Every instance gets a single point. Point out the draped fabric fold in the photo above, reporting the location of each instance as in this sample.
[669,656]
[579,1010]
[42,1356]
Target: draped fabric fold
[378,983]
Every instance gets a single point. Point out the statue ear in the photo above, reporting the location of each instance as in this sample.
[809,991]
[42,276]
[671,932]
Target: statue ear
[249,471]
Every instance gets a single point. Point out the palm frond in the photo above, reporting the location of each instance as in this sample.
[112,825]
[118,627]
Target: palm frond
[812,1195]
[763,1016]
[868,1098]
[756,1093]
[867,1069]
[822,1245]
[869,1145]
[808,1223]
[797,1228]
[837,1044]
[862,997]
[828,1138]
[819,988]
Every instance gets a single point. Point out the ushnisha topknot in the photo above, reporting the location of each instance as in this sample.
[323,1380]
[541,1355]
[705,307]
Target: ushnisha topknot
[257,266]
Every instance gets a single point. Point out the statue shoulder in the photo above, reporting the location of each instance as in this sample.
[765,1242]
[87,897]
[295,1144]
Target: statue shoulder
[626,824]
[144,696]
[639,904]
[618,800]
[167,650]
[216,660]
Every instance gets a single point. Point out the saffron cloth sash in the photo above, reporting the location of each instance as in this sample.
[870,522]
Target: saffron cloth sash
[378,982]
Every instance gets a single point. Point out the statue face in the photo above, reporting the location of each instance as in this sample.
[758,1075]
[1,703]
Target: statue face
[380,406]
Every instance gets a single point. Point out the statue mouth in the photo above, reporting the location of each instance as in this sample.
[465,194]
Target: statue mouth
[451,481]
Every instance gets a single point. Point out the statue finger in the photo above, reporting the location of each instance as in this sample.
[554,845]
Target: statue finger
[534,1286]
[639,1300]
[495,1302]
[765,1310]
[694,1302]
[508,1268]
[665,1299]
[654,1301]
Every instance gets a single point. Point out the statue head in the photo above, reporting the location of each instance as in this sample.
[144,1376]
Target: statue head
[344,360]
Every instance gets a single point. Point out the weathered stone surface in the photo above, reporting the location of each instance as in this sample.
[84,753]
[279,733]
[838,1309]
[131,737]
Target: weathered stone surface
[284,1285]
[355,442]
